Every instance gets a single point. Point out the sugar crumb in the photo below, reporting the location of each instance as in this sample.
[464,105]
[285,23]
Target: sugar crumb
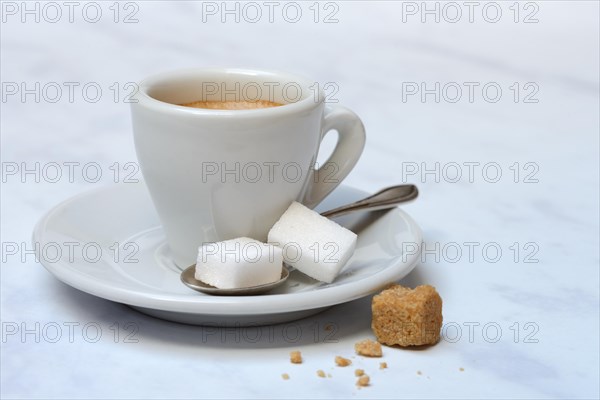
[320,373]
[359,372]
[363,381]
[342,362]
[383,365]
[419,373]
[285,377]
[296,357]
[368,348]
[461,369]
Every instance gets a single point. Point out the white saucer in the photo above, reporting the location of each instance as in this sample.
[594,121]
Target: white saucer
[150,283]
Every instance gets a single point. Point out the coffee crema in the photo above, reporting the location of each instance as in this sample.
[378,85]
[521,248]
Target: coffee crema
[232,105]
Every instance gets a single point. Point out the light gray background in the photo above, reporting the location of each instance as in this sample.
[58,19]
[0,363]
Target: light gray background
[371,55]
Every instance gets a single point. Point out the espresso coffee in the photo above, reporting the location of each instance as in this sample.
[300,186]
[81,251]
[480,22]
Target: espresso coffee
[232,105]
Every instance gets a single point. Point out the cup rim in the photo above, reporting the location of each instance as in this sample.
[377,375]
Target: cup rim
[143,98]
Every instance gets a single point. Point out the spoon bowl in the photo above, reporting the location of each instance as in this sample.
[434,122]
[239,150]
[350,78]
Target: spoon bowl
[188,279]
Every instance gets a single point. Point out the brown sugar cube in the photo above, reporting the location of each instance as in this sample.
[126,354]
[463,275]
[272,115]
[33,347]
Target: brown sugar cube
[407,317]
[296,357]
[363,381]
[342,362]
[368,348]
[359,372]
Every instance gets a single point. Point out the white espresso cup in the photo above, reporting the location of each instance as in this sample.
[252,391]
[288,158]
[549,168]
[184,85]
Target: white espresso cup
[220,174]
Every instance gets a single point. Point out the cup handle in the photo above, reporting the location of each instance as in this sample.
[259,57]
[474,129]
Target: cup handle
[351,142]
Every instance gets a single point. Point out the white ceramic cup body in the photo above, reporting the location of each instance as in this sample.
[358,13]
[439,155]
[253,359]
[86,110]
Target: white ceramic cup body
[221,174]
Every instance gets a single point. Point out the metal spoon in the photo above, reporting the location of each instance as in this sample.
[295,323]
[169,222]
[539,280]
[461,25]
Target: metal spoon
[385,198]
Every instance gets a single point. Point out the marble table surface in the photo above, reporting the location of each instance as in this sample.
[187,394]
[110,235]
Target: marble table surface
[491,108]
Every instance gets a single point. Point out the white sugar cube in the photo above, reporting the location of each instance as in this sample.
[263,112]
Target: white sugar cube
[238,263]
[311,243]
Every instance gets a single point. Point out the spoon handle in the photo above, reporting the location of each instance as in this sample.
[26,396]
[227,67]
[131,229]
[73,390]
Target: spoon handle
[385,198]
